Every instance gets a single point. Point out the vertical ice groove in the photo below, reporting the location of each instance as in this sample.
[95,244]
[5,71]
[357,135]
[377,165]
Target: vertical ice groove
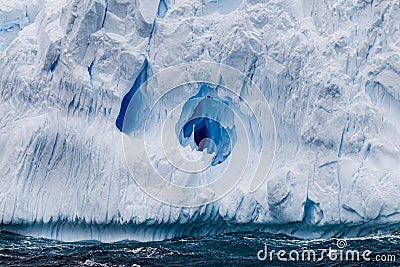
[90,70]
[105,14]
[162,9]
[342,139]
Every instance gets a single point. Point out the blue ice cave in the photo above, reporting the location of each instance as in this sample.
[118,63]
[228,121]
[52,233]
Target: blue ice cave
[208,124]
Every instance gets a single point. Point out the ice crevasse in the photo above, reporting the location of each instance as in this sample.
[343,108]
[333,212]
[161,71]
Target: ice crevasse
[330,71]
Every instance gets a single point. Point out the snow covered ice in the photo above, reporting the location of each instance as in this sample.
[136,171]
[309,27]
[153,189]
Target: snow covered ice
[330,71]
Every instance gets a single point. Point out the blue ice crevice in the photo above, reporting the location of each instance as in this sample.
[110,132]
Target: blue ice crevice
[127,121]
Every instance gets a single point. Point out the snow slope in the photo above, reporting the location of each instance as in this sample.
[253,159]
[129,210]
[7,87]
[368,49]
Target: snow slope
[330,71]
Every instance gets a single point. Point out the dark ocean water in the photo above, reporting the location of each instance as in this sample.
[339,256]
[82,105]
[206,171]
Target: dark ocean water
[238,249]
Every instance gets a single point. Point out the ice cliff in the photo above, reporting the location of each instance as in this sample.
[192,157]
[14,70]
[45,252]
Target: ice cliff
[330,71]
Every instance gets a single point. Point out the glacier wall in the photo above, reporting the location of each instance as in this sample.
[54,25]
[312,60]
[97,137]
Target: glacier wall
[330,71]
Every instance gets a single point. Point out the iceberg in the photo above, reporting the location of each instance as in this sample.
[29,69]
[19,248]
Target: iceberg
[73,87]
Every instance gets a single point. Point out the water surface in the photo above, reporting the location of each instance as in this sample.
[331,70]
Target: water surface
[239,249]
